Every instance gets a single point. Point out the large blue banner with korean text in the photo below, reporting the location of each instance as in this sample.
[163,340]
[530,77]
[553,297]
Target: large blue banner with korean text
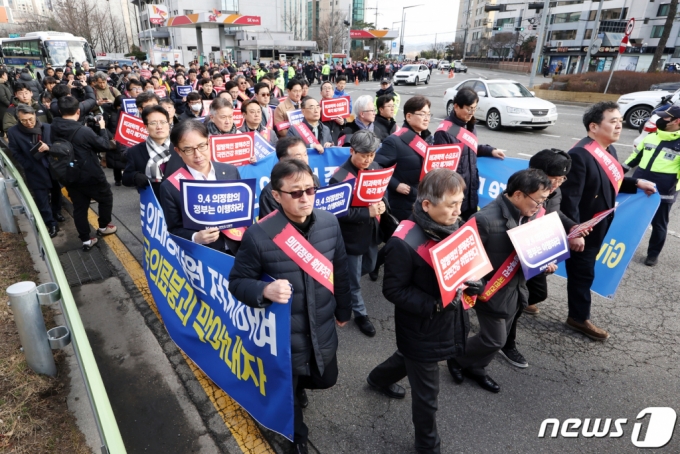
[323,165]
[245,351]
[633,216]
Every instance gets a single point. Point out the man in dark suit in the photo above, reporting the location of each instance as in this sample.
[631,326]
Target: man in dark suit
[190,139]
[29,142]
[591,187]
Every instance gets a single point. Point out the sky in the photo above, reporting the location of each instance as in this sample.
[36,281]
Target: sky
[422,22]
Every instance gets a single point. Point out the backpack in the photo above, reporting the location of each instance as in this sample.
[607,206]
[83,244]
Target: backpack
[64,165]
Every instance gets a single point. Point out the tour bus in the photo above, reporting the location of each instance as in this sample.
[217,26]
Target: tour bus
[41,49]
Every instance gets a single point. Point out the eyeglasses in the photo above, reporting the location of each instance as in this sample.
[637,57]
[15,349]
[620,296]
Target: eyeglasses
[423,115]
[368,111]
[266,95]
[470,109]
[313,108]
[189,151]
[298,194]
[27,120]
[158,123]
[557,180]
[538,204]
[136,89]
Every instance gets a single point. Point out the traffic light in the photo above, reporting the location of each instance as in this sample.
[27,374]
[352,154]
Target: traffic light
[519,29]
[401,49]
[500,8]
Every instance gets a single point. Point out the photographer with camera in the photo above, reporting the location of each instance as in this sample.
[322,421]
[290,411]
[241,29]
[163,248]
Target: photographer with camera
[90,180]
[22,95]
[87,104]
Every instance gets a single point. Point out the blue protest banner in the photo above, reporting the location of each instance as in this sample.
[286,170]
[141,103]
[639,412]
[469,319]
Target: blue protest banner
[539,243]
[633,216]
[244,351]
[323,165]
[183,90]
[130,106]
[494,174]
[221,204]
[335,198]
[295,117]
[262,146]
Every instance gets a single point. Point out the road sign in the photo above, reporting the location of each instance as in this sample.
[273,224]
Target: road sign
[595,47]
[629,26]
[624,44]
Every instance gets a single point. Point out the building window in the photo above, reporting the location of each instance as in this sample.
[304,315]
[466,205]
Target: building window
[507,20]
[559,35]
[565,17]
[663,10]
[657,31]
[188,11]
[588,34]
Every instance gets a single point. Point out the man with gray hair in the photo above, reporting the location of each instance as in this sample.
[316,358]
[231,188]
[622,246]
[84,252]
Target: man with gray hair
[312,121]
[221,119]
[360,227]
[364,116]
[29,142]
[104,93]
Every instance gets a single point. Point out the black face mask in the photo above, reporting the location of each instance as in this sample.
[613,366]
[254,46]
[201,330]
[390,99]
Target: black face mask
[661,124]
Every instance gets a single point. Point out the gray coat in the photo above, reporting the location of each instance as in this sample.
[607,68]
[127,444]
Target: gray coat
[6,97]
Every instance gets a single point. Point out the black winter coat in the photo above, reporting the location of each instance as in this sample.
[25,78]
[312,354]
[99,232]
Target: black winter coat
[20,144]
[410,283]
[384,127]
[314,308]
[493,223]
[86,145]
[588,191]
[359,229]
[89,103]
[409,164]
[6,97]
[467,167]
[32,84]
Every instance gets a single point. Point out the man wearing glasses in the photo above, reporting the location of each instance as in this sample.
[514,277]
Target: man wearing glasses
[292,102]
[317,288]
[262,96]
[522,201]
[191,140]
[322,135]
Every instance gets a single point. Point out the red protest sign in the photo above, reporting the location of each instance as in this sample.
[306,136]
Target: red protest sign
[590,224]
[371,186]
[206,107]
[238,118]
[235,149]
[130,130]
[218,88]
[458,258]
[441,157]
[161,93]
[335,108]
[145,73]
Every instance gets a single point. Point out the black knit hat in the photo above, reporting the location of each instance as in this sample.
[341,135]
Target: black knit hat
[554,162]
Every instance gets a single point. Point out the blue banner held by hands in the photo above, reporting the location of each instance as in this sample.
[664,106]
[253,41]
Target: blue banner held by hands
[335,198]
[183,90]
[130,106]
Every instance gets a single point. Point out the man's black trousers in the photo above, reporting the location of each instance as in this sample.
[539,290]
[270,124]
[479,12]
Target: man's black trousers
[81,196]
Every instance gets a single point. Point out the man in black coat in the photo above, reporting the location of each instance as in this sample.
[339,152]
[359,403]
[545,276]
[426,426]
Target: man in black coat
[60,90]
[29,142]
[505,292]
[312,112]
[384,123]
[320,296]
[92,184]
[360,227]
[191,140]
[590,190]
[428,330]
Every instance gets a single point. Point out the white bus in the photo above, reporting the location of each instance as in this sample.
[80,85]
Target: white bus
[41,49]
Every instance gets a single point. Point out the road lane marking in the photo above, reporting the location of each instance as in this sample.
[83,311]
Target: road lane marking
[550,135]
[243,428]
[524,154]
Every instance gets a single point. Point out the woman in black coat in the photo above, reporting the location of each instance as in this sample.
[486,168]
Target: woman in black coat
[403,188]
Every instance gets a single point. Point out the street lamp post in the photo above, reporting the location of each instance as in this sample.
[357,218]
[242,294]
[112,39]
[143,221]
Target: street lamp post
[403,18]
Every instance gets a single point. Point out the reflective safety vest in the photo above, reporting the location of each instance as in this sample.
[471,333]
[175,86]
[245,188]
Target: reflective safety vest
[260,73]
[280,82]
[291,72]
[326,70]
[659,152]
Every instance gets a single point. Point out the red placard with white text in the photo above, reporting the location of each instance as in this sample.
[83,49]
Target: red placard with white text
[441,157]
[145,73]
[371,186]
[130,130]
[161,92]
[458,258]
[590,224]
[238,118]
[234,149]
[335,108]
[218,88]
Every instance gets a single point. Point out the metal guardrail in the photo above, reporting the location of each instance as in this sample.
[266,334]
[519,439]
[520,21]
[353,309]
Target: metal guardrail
[111,440]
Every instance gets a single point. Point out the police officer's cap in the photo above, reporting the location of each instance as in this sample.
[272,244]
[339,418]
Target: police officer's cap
[672,112]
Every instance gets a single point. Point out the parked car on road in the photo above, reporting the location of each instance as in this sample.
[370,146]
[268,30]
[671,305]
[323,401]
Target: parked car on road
[637,107]
[412,74]
[665,86]
[459,67]
[444,65]
[505,102]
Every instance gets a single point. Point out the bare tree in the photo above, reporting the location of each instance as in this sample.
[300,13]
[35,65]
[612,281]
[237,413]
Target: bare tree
[502,43]
[292,23]
[332,26]
[672,11]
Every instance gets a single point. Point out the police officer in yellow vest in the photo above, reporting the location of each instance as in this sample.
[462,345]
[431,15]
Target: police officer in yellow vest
[291,71]
[325,71]
[261,71]
[657,159]
[279,77]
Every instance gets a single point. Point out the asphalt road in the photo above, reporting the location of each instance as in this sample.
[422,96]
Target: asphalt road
[569,375]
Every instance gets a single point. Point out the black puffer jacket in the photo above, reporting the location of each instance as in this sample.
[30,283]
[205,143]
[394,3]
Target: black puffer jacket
[86,145]
[467,168]
[493,223]
[383,127]
[31,83]
[314,308]
[409,164]
[410,283]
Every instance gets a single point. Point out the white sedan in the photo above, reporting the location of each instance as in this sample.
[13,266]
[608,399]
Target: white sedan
[412,74]
[504,102]
[637,107]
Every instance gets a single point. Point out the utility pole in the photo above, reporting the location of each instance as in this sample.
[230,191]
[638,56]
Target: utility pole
[436,54]
[467,22]
[332,26]
[593,37]
[539,43]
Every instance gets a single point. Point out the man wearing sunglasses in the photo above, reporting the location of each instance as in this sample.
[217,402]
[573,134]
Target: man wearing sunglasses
[316,287]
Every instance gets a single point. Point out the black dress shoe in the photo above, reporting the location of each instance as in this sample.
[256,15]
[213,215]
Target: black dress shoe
[394,391]
[365,325]
[300,448]
[455,370]
[59,217]
[302,398]
[483,381]
[373,275]
[53,231]
[119,183]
